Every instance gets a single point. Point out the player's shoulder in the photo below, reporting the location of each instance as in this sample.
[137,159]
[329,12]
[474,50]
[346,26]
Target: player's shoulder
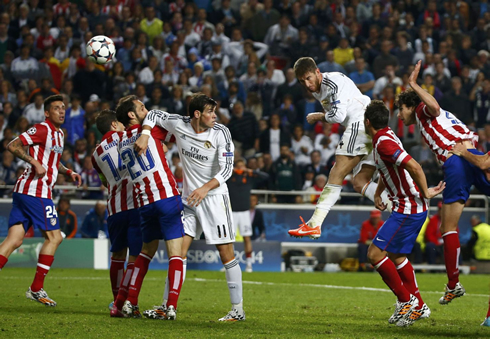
[334,76]
[219,129]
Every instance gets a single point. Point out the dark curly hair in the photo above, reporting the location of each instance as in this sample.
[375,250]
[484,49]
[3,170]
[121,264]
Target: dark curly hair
[408,98]
[378,114]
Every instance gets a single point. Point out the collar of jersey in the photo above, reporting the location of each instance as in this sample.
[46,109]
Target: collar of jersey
[380,133]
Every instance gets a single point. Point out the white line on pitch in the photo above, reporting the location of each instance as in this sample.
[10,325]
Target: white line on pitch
[335,287]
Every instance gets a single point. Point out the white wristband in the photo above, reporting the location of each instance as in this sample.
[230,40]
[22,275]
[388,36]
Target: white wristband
[146,132]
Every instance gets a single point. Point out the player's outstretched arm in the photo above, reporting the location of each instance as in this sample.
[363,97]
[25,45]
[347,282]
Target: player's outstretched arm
[378,201]
[480,161]
[313,118]
[418,175]
[17,148]
[431,103]
[73,175]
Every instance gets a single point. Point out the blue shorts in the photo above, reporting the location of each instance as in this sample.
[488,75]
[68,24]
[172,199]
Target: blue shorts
[460,175]
[31,211]
[399,232]
[162,219]
[124,231]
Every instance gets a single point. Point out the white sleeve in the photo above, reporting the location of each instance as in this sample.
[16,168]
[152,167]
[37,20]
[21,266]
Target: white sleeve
[263,48]
[225,156]
[337,113]
[162,119]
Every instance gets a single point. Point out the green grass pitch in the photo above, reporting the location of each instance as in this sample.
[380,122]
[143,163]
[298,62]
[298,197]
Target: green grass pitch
[277,305]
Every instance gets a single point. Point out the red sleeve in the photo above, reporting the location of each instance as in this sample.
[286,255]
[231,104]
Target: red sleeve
[159,133]
[422,113]
[391,152]
[36,135]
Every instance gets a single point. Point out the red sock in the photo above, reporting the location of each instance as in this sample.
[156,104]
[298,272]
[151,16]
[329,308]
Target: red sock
[175,275]
[140,268]
[116,273]
[451,257]
[386,268]
[43,265]
[122,294]
[407,274]
[3,261]
[488,312]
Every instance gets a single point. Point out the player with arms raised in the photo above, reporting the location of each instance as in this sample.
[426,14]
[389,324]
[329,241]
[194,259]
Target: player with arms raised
[441,130]
[343,103]
[32,203]
[407,189]
[160,205]
[124,219]
[206,151]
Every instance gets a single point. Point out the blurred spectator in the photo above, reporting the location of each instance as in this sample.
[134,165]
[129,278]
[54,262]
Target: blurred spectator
[95,222]
[257,218]
[175,103]
[301,145]
[433,238]
[458,102]
[8,169]
[7,43]
[89,75]
[285,175]
[7,94]
[261,21]
[363,79]
[34,113]
[403,52]
[265,90]
[67,218]
[280,36]
[75,120]
[343,53]
[151,25]
[315,164]
[479,244]
[480,96]
[45,90]
[273,137]
[389,78]
[90,178]
[244,130]
[384,59]
[290,87]
[329,65]
[319,183]
[369,228]
[25,67]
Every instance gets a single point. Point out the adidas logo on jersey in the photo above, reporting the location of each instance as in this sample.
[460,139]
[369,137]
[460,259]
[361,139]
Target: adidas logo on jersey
[182,136]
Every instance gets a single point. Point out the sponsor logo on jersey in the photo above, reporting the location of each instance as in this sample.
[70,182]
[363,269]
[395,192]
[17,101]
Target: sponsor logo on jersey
[57,149]
[228,154]
[32,131]
[194,153]
[208,144]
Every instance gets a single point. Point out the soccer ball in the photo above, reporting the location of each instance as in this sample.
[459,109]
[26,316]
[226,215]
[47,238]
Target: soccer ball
[101,49]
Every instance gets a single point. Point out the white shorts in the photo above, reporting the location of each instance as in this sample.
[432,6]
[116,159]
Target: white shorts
[243,223]
[213,217]
[355,141]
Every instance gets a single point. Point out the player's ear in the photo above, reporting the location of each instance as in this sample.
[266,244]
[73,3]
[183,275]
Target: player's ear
[197,114]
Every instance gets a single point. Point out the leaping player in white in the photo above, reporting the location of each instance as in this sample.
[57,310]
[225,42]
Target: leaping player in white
[343,103]
[206,150]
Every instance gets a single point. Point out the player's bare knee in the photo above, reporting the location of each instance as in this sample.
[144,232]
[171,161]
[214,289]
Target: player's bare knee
[226,252]
[374,254]
[120,255]
[16,243]
[358,184]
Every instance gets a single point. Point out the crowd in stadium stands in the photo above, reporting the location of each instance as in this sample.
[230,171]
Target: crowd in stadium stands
[241,53]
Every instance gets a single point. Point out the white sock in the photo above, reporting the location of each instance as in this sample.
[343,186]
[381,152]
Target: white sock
[249,261]
[370,188]
[328,198]
[234,279]
[165,291]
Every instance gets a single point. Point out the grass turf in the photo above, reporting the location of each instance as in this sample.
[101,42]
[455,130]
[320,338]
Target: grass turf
[277,305]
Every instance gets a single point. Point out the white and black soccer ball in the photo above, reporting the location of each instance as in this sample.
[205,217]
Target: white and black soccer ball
[101,49]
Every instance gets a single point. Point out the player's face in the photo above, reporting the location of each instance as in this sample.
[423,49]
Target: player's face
[311,81]
[56,113]
[208,117]
[406,115]
[141,111]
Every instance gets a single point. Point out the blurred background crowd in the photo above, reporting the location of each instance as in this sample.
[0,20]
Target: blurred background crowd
[240,52]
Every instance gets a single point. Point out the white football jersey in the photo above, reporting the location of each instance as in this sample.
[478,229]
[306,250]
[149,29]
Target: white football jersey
[204,156]
[342,101]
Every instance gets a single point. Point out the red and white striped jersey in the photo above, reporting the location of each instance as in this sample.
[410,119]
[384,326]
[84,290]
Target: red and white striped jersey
[390,159]
[149,173]
[46,146]
[106,161]
[442,132]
